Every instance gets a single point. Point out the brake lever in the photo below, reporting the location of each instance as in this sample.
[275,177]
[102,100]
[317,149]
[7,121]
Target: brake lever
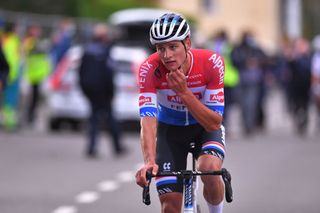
[146,189]
[226,176]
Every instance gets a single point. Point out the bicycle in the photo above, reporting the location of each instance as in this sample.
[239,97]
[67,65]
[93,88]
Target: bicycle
[190,185]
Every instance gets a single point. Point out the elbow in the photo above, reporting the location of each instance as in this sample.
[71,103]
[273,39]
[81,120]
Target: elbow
[213,127]
[214,124]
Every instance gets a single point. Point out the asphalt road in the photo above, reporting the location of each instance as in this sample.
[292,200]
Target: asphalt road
[273,171]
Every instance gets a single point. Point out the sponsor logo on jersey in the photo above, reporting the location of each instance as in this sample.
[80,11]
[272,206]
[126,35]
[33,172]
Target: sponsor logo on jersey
[144,69]
[144,100]
[167,166]
[195,76]
[194,83]
[177,99]
[218,64]
[174,99]
[219,97]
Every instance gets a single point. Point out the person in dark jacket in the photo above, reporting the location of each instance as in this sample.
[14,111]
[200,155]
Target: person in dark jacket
[4,69]
[299,63]
[250,60]
[96,82]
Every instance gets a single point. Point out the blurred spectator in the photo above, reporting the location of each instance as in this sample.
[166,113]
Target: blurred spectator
[37,67]
[96,81]
[278,65]
[62,41]
[315,73]
[221,44]
[4,69]
[11,49]
[250,61]
[299,62]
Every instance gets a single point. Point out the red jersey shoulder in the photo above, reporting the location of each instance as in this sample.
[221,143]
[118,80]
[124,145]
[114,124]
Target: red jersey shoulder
[212,63]
[208,57]
[150,63]
[146,73]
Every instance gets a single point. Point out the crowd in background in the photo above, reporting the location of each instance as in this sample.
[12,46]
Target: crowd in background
[31,58]
[249,74]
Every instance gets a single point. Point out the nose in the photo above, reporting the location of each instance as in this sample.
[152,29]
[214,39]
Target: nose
[167,54]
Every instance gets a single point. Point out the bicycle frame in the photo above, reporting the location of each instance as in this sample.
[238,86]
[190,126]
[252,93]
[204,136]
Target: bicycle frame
[190,185]
[189,202]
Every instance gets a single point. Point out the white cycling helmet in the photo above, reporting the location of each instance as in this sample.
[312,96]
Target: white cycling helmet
[169,27]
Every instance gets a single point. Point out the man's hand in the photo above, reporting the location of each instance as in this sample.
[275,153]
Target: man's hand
[141,174]
[177,81]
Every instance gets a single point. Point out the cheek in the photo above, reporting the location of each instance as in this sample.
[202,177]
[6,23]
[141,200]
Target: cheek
[161,56]
[180,56]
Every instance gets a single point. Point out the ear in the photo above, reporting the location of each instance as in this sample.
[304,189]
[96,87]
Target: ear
[188,43]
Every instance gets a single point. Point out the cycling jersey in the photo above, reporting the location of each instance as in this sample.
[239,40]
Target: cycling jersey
[205,79]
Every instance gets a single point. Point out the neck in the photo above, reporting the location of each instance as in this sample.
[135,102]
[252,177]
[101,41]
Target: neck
[186,64]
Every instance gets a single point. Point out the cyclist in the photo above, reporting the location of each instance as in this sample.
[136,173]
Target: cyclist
[181,101]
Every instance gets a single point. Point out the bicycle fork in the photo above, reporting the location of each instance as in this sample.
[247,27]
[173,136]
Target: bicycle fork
[189,194]
[191,186]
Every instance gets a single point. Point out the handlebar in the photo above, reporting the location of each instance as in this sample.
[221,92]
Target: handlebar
[226,177]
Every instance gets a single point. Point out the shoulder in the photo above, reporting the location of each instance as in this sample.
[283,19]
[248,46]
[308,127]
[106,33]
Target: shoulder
[201,53]
[150,63]
[208,57]
[204,54]
[153,58]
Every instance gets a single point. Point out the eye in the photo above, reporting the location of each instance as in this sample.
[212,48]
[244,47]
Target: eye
[160,49]
[173,47]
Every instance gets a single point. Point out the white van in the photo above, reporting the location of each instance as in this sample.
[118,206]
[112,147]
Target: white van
[66,103]
[131,48]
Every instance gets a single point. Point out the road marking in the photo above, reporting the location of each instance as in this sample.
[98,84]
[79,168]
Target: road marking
[65,209]
[126,176]
[104,186]
[87,197]
[108,186]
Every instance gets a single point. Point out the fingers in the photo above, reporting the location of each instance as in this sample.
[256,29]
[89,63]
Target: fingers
[155,170]
[141,179]
[176,78]
[177,75]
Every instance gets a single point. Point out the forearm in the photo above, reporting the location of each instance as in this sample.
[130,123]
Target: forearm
[209,119]
[148,140]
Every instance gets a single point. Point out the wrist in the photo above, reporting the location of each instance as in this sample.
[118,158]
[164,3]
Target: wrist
[185,95]
[150,162]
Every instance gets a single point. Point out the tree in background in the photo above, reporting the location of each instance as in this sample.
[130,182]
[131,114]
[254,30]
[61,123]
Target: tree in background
[103,8]
[75,8]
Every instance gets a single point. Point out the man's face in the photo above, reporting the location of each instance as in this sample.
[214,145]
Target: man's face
[172,54]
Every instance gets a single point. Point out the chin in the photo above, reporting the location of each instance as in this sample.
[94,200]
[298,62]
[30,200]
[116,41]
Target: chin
[171,67]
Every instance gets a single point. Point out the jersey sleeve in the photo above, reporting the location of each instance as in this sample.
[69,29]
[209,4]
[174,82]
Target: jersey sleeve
[214,93]
[147,86]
